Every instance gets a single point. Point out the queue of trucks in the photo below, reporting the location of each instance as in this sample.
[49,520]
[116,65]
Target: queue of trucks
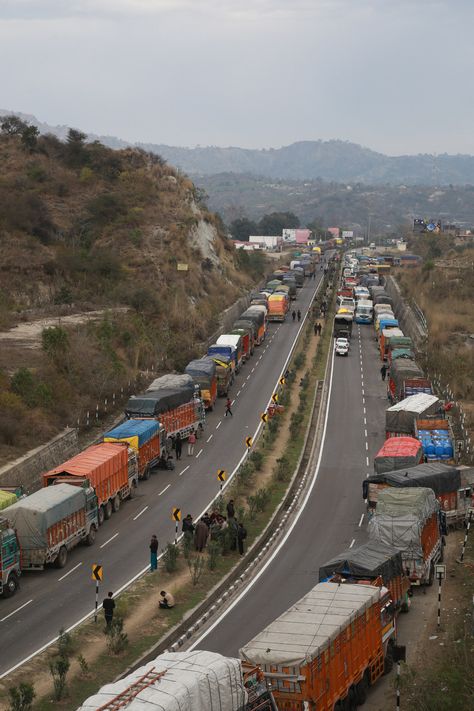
[83,492]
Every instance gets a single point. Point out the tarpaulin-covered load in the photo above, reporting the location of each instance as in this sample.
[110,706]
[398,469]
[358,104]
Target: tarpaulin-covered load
[367,561]
[172,380]
[189,681]
[400,342]
[254,315]
[442,478]
[202,370]
[135,432]
[400,518]
[34,515]
[301,633]
[401,417]
[403,369]
[398,453]
[395,353]
[7,498]
[151,404]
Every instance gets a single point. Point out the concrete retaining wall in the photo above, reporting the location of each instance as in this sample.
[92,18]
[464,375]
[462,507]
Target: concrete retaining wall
[409,323]
[26,470]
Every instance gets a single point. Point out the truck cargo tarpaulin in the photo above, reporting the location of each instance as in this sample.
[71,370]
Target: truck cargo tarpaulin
[33,515]
[202,367]
[367,561]
[402,416]
[398,453]
[135,432]
[151,404]
[442,478]
[403,369]
[400,518]
[7,498]
[190,681]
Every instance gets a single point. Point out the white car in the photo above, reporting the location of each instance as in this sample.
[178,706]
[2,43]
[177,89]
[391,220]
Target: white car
[342,346]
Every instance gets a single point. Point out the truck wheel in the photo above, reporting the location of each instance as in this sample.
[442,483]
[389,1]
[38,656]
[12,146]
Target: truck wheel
[108,510]
[362,689]
[101,515]
[61,560]
[116,503]
[90,538]
[11,587]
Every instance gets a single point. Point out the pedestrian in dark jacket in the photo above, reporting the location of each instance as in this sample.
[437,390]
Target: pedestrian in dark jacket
[320,328]
[228,405]
[293,314]
[230,509]
[109,607]
[241,536]
[153,553]
[383,371]
[298,313]
[200,536]
[178,445]
[188,525]
[207,519]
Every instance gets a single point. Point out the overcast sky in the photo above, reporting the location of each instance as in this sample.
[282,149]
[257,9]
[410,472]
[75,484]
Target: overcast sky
[394,75]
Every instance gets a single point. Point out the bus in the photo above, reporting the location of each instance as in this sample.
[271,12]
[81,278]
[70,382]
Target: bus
[364,311]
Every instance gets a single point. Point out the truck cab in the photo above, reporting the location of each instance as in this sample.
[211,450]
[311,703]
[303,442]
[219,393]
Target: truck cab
[10,570]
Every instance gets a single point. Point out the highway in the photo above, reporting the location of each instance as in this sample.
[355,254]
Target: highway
[334,516]
[55,599]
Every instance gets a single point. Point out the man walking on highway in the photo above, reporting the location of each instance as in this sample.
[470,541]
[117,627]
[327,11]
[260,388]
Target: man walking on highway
[241,536]
[109,607]
[383,371]
[191,443]
[299,315]
[153,553]
[293,314]
[228,405]
[178,446]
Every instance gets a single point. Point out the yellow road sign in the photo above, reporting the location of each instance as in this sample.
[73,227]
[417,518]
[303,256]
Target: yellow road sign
[221,474]
[248,442]
[282,381]
[264,416]
[275,397]
[176,514]
[97,572]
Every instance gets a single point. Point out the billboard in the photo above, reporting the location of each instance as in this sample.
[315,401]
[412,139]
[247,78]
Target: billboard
[334,231]
[347,234]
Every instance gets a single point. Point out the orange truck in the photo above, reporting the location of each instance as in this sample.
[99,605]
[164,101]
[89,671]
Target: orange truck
[278,305]
[325,651]
[145,437]
[408,518]
[110,468]
[204,374]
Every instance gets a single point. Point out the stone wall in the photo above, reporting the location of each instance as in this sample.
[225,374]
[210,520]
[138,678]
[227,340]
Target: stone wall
[26,470]
[409,322]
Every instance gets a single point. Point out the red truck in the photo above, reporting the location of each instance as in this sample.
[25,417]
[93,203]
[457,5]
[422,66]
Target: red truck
[398,453]
[111,469]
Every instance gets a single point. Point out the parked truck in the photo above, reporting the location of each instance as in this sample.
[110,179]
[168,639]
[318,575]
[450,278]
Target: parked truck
[326,650]
[436,437]
[257,317]
[398,453]
[406,378]
[146,437]
[400,419]
[204,374]
[246,334]
[343,324]
[408,518]
[110,468]
[251,327]
[234,340]
[42,528]
[278,305]
[224,373]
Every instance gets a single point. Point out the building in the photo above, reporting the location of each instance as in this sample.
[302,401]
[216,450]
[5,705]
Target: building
[267,241]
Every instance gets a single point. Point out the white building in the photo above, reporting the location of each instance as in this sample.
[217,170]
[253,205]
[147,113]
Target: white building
[266,241]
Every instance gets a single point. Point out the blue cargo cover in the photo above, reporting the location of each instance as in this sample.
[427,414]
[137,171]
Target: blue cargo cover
[143,429]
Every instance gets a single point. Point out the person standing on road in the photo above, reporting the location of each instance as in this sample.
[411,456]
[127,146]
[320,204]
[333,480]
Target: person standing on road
[228,405]
[153,553]
[299,315]
[293,314]
[191,443]
[178,446]
[200,536]
[109,607]
[383,371]
[188,525]
[241,536]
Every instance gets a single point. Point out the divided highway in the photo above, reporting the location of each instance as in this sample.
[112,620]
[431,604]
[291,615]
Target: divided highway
[54,599]
[334,516]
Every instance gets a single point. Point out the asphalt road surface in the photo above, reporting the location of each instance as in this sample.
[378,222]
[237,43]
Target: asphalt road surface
[334,517]
[55,599]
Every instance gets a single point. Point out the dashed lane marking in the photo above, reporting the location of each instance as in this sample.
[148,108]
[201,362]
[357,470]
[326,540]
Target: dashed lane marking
[367,446]
[361,519]
[112,537]
[165,489]
[218,425]
[367,461]
[142,511]
[186,468]
[209,438]
[15,611]
[71,571]
[199,453]
[352,542]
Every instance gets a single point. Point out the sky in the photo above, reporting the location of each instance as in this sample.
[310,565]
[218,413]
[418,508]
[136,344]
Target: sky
[393,75]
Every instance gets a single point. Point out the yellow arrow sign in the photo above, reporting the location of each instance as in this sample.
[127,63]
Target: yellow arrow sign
[176,514]
[221,474]
[264,417]
[97,572]
[282,381]
[275,397]
[248,442]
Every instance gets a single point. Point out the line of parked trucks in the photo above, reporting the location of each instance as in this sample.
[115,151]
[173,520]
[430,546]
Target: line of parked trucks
[81,493]
[327,649]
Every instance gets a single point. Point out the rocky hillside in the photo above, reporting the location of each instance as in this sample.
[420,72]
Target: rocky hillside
[85,229]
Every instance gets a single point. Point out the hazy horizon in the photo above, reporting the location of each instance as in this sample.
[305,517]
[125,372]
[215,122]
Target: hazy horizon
[392,77]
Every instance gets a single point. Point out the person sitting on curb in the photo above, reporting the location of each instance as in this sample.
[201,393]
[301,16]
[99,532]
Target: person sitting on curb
[166,601]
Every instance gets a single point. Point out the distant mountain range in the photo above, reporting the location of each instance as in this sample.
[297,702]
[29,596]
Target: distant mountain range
[337,161]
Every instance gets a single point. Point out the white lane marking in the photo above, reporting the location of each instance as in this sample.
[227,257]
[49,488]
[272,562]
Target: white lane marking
[165,489]
[260,357]
[365,432]
[218,425]
[367,475]
[352,542]
[234,400]
[248,377]
[209,438]
[362,385]
[285,537]
[199,453]
[252,370]
[185,468]
[367,446]
[69,572]
[361,519]
[244,384]
[236,396]
[142,511]
[363,394]
[15,611]
[110,539]
[363,400]
[367,461]
[365,412]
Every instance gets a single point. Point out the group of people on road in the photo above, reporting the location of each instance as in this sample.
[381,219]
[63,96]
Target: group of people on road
[177,445]
[211,526]
[317,329]
[296,314]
